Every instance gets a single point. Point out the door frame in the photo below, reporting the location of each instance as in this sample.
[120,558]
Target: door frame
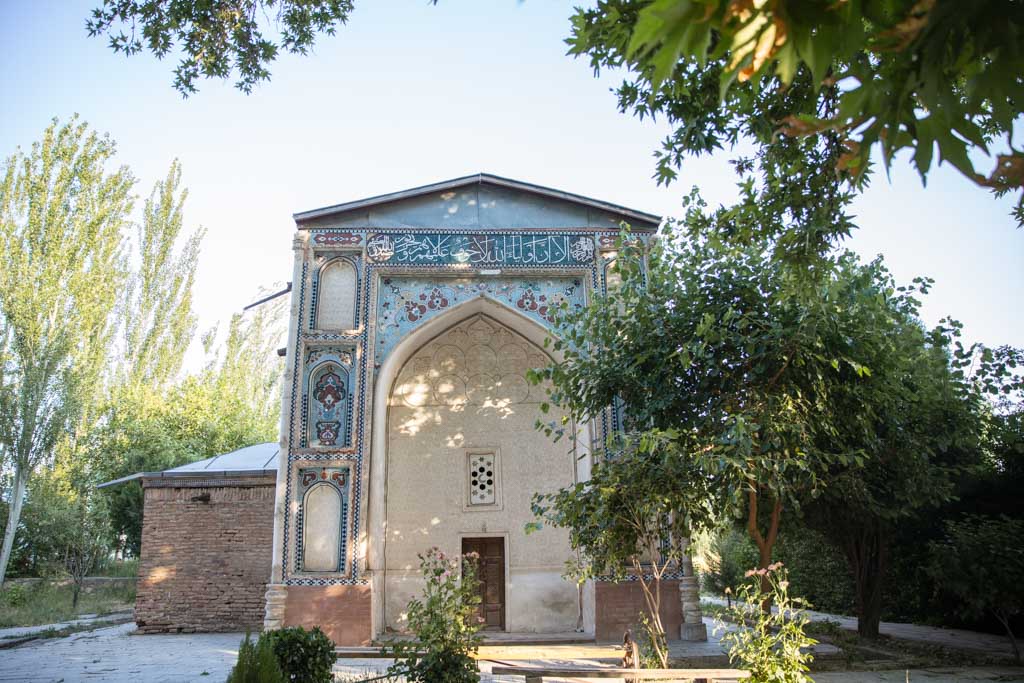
[463,535]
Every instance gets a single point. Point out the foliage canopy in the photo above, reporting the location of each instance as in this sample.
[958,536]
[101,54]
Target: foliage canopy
[217,39]
[899,75]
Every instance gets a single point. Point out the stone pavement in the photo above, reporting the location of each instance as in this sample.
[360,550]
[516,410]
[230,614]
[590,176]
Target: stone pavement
[113,654]
[984,643]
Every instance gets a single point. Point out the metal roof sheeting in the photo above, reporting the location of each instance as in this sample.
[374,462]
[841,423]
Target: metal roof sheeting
[260,459]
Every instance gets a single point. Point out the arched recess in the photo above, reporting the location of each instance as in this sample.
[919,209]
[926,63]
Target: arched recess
[376,502]
[323,532]
[337,296]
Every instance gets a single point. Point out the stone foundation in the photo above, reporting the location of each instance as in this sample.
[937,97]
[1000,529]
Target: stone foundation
[342,612]
[206,555]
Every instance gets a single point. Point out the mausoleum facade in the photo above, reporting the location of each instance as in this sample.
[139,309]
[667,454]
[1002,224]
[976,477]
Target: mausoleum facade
[408,421]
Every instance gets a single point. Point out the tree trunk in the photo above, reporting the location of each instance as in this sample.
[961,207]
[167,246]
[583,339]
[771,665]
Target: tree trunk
[765,543]
[76,589]
[653,601]
[13,516]
[1004,619]
[868,555]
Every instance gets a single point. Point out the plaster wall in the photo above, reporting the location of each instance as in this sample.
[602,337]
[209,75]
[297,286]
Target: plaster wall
[477,206]
[464,392]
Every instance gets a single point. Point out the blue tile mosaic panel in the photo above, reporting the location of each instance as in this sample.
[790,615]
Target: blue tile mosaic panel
[327,395]
[483,249]
[404,303]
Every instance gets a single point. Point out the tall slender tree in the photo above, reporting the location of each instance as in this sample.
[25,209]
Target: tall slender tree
[158,321]
[62,216]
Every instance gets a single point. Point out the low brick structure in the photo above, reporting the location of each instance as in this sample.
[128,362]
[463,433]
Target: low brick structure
[619,606]
[206,554]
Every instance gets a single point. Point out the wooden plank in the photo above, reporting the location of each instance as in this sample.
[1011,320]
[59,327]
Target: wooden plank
[538,673]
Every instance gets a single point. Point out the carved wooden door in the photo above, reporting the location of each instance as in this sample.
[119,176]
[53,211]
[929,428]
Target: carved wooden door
[492,579]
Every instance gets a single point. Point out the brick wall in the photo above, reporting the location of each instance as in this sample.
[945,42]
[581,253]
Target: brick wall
[618,605]
[206,555]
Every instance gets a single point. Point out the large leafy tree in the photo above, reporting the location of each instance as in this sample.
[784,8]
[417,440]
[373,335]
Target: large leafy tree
[62,213]
[917,425]
[825,394]
[220,38]
[896,75]
[730,360]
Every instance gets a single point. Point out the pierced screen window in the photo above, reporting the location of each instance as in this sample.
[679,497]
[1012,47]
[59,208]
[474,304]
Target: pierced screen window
[483,484]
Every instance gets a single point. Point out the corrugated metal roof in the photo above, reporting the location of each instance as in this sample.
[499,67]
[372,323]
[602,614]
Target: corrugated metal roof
[260,459]
[262,456]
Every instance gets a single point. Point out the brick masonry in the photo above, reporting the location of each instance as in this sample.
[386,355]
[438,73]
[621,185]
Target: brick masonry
[206,555]
[342,612]
[618,605]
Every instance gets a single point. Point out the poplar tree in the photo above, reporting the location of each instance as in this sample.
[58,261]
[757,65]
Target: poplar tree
[62,215]
[158,320]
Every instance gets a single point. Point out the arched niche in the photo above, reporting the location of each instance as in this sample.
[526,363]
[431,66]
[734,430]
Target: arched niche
[328,405]
[337,288]
[323,528]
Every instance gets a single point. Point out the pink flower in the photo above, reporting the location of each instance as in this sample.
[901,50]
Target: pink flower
[750,572]
[783,585]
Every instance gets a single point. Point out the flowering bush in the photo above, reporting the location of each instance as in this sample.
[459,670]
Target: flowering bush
[772,645]
[444,622]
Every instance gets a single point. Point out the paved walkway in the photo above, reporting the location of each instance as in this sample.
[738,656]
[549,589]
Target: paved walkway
[22,631]
[985,643]
[113,654]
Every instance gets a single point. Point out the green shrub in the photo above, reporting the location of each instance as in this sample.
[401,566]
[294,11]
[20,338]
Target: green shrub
[772,645]
[729,555]
[304,656]
[444,622]
[14,595]
[980,563]
[818,572]
[256,663]
[288,655]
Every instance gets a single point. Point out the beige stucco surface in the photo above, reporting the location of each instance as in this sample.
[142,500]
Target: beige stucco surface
[336,305]
[464,392]
[323,514]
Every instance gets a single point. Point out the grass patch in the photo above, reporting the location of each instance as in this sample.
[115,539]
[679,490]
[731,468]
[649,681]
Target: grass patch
[48,603]
[713,609]
[118,568]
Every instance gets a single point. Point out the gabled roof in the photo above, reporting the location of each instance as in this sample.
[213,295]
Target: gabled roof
[257,460]
[638,219]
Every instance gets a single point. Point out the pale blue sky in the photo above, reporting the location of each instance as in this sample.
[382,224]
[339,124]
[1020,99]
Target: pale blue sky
[410,93]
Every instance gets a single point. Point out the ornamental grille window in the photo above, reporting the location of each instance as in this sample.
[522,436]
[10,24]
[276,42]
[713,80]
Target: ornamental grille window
[483,480]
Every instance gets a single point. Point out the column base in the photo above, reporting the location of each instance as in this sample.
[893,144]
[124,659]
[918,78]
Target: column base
[693,632]
[273,617]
